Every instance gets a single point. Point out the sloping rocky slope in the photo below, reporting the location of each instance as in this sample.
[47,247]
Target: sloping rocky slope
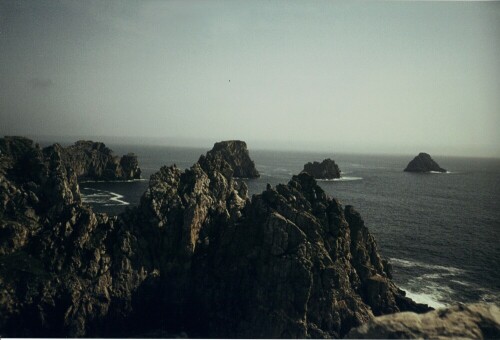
[423,163]
[473,321]
[196,256]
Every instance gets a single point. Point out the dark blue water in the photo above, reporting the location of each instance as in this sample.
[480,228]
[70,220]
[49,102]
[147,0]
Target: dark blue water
[440,231]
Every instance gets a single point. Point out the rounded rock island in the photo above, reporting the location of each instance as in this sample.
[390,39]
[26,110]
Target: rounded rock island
[423,163]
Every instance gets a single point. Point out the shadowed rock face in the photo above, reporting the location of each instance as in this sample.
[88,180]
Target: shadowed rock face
[235,154]
[473,321]
[196,256]
[423,163]
[94,161]
[327,169]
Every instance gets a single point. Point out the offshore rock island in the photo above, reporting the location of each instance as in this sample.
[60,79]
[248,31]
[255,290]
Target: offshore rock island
[196,256]
[94,161]
[87,160]
[232,158]
[327,169]
[423,163]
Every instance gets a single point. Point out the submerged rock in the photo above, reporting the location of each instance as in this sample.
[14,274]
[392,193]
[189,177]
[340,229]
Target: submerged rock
[235,154]
[327,169]
[473,321]
[196,257]
[423,163]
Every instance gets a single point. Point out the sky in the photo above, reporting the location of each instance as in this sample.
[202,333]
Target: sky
[387,77]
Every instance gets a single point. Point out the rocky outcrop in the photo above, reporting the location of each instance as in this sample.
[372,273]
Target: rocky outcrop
[327,169]
[423,163]
[94,161]
[287,269]
[232,154]
[196,257]
[474,321]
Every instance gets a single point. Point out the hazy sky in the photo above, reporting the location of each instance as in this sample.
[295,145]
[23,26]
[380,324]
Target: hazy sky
[341,76]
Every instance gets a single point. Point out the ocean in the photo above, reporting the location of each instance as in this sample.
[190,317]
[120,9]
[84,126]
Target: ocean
[441,232]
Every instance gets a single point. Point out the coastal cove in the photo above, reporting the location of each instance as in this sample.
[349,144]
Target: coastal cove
[438,230]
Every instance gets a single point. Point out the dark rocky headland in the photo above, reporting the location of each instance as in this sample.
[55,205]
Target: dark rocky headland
[197,257]
[423,163]
[327,169]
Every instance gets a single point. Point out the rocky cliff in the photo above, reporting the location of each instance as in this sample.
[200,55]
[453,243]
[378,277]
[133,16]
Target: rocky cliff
[474,321]
[196,256]
[423,163]
[94,161]
[232,156]
[327,169]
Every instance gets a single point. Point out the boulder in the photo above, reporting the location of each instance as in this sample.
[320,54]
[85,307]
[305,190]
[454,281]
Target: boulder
[472,321]
[327,169]
[423,163]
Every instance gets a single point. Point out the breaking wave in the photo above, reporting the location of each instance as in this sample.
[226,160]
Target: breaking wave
[103,197]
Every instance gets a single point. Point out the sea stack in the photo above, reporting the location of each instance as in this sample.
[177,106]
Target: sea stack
[234,154]
[327,169]
[423,163]
[94,161]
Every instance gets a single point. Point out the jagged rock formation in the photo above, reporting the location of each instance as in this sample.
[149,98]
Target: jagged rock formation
[474,321]
[232,155]
[423,163]
[94,161]
[196,256]
[327,169]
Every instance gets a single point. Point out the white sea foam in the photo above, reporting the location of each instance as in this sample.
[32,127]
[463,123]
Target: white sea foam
[116,181]
[104,197]
[347,178]
[341,179]
[409,264]
[428,299]
[118,198]
[465,284]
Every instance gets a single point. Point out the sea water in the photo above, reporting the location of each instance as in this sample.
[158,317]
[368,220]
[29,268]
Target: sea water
[440,231]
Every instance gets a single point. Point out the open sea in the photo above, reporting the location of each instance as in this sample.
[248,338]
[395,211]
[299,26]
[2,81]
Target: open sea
[441,232]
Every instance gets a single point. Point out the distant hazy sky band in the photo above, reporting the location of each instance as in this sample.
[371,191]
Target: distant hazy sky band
[347,76]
